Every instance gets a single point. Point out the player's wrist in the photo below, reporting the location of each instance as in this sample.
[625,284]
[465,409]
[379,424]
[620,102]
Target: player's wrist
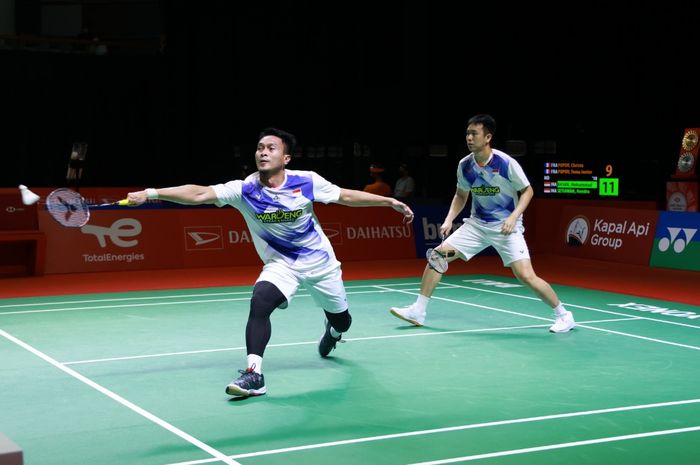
[151,194]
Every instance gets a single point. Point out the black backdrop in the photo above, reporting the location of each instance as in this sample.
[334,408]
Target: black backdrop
[605,81]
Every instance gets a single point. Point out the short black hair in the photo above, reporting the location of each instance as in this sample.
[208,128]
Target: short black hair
[289,139]
[486,121]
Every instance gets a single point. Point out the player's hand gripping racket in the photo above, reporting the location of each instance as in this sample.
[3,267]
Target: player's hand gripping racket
[70,209]
[437,260]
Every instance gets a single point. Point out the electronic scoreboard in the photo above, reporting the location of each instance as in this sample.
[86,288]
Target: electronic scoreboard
[575,178]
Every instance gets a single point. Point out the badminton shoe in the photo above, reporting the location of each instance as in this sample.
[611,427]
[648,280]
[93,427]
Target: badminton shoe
[249,383]
[327,342]
[563,323]
[409,313]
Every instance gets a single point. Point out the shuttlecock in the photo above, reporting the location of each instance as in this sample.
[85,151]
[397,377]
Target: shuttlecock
[28,197]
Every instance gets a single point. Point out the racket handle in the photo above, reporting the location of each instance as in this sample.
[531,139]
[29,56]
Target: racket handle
[123,202]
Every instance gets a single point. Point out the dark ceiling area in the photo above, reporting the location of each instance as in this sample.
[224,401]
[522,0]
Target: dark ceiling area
[602,81]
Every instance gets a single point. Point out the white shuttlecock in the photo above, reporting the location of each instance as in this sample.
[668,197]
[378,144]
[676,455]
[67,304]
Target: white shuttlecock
[28,197]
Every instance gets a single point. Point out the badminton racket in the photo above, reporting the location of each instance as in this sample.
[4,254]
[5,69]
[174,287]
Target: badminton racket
[437,260]
[70,209]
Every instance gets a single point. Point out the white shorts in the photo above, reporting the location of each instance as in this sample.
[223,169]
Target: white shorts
[325,286]
[473,237]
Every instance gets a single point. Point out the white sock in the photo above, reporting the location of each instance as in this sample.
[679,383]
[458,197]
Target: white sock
[335,333]
[422,303]
[255,362]
[559,310]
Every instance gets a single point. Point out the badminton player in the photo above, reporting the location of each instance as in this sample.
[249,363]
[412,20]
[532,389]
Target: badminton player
[500,194]
[277,205]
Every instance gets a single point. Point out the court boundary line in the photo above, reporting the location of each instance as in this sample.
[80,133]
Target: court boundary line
[384,288]
[218,455]
[580,325]
[315,342]
[168,296]
[449,429]
[155,304]
[562,445]
[593,309]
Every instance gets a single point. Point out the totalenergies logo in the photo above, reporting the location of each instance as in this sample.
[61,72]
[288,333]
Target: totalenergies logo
[117,232]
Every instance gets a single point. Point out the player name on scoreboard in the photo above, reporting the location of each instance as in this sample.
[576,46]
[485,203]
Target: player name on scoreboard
[578,178]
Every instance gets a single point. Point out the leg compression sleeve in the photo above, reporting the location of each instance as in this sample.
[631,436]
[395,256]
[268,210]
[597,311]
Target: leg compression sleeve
[266,298]
[339,321]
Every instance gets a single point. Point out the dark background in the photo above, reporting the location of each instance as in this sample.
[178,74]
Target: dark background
[610,82]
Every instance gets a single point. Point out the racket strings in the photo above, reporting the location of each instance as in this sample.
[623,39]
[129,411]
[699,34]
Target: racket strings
[68,208]
[436,259]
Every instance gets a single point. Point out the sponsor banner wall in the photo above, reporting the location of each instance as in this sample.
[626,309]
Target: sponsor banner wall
[677,241]
[366,233]
[613,234]
[113,240]
[149,237]
[543,216]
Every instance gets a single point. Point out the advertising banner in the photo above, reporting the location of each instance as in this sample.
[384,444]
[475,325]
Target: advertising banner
[366,233]
[161,236]
[113,240]
[677,242]
[613,234]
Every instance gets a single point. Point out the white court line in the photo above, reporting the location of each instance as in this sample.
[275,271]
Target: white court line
[580,325]
[157,304]
[219,456]
[101,307]
[170,296]
[449,429]
[461,286]
[123,299]
[566,304]
[469,458]
[291,344]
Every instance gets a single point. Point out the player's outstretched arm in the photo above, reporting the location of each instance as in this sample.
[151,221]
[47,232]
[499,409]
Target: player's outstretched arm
[355,198]
[189,194]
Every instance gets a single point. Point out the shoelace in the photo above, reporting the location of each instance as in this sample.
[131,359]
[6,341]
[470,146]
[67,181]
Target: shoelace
[250,369]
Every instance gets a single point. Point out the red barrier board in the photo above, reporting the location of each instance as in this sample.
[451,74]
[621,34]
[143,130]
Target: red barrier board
[613,234]
[143,238]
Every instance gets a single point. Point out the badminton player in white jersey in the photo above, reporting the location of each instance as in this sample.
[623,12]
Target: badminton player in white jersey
[500,194]
[277,205]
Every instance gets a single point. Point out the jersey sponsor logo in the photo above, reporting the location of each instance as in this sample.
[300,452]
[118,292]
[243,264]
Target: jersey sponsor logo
[486,190]
[279,216]
[124,227]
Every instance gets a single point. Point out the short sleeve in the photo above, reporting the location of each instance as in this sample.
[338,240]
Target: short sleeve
[324,190]
[229,193]
[517,176]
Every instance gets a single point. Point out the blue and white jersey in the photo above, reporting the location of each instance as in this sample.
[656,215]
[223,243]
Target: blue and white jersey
[282,221]
[494,187]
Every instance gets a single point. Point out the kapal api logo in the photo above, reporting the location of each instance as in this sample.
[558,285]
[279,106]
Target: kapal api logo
[578,231]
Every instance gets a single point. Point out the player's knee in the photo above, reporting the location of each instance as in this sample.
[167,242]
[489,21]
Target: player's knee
[529,279]
[339,321]
[266,298]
